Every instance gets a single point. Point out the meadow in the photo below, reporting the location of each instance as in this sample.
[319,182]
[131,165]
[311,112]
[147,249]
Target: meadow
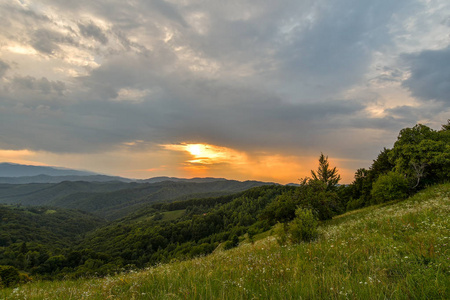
[395,250]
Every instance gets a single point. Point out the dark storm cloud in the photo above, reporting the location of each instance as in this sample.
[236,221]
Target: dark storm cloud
[430,75]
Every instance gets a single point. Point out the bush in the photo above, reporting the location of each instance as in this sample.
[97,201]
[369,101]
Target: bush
[234,242]
[9,276]
[304,227]
[355,204]
[281,233]
[391,186]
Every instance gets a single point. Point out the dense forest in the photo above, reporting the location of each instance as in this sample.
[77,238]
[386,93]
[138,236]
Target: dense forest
[179,229]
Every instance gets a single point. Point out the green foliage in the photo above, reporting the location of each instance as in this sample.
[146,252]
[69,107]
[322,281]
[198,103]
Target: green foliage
[391,186]
[420,153]
[282,209]
[233,242]
[329,177]
[280,231]
[115,200]
[320,194]
[35,224]
[423,154]
[325,203]
[304,226]
[9,276]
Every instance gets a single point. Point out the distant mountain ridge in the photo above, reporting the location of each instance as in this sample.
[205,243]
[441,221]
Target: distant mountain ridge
[18,170]
[24,174]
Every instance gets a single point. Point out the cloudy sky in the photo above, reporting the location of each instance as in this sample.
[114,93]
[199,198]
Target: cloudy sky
[236,89]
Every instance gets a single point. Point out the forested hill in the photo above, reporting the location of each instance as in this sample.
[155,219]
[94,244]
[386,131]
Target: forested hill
[50,227]
[115,199]
[161,232]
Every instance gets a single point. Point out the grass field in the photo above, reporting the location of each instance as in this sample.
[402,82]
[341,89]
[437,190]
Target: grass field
[398,250]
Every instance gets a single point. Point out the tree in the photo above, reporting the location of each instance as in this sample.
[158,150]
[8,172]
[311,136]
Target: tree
[304,226]
[422,154]
[9,276]
[325,174]
[391,186]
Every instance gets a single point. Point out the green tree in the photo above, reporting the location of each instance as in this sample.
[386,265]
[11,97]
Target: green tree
[325,174]
[422,154]
[9,276]
[391,186]
[304,226]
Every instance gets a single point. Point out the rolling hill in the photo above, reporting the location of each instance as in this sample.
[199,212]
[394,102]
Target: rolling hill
[114,200]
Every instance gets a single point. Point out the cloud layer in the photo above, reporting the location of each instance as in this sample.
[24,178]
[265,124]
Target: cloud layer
[284,77]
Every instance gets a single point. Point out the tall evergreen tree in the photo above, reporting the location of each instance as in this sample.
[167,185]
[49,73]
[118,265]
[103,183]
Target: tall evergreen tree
[325,174]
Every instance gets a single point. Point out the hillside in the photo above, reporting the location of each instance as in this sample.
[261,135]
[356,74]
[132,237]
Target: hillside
[51,227]
[398,250]
[114,200]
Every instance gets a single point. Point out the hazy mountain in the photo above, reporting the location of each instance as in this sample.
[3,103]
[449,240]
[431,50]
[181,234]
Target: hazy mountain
[24,174]
[57,179]
[17,170]
[176,179]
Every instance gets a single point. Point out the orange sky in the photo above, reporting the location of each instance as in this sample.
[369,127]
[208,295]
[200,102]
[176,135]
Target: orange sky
[184,160]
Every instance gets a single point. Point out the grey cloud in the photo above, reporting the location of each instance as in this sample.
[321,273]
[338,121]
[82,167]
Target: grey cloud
[389,75]
[430,74]
[168,11]
[3,68]
[92,30]
[46,41]
[335,49]
[42,85]
[250,120]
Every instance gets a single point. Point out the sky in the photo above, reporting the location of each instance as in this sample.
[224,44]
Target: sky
[245,90]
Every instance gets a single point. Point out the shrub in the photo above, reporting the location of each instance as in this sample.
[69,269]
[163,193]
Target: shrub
[281,233]
[304,227]
[390,186]
[9,276]
[234,242]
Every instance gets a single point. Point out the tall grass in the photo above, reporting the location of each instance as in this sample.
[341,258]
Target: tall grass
[394,251]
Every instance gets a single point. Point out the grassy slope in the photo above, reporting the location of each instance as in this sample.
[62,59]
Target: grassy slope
[394,251]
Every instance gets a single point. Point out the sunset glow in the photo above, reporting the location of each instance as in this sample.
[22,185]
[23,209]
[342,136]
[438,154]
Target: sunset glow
[205,154]
[176,88]
[217,161]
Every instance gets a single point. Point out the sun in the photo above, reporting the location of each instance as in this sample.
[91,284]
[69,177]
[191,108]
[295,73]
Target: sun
[207,154]
[195,149]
